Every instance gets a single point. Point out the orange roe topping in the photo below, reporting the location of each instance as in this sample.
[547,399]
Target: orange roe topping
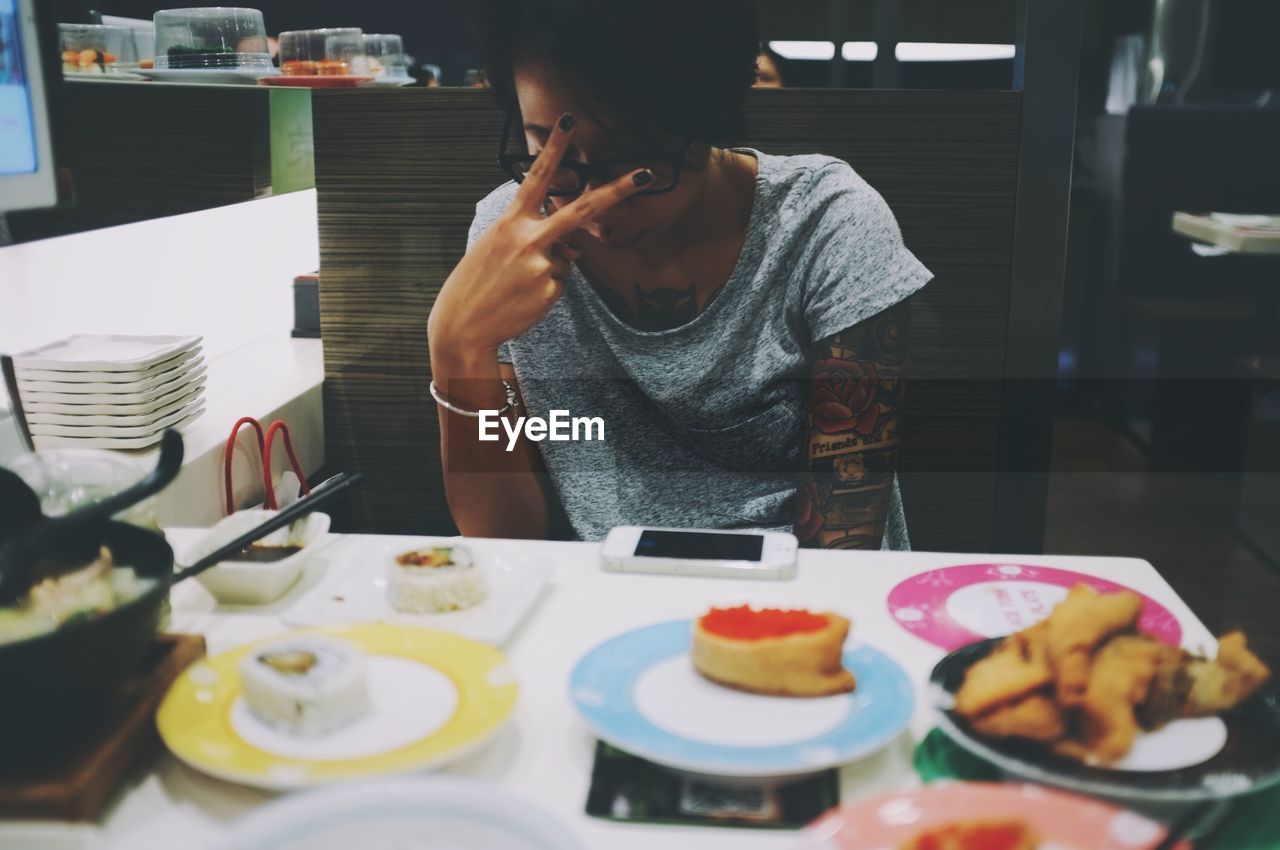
[994,835]
[746,623]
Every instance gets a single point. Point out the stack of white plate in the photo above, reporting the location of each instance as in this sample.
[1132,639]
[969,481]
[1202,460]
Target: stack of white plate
[110,391]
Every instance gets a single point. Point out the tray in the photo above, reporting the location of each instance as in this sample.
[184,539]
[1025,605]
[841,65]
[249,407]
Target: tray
[79,785]
[184,403]
[181,395]
[46,441]
[77,376]
[146,384]
[125,394]
[105,353]
[126,432]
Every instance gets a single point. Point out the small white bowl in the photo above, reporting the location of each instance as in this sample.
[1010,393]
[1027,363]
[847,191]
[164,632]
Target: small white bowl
[248,583]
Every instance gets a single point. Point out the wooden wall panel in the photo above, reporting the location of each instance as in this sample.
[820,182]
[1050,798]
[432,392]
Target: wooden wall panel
[399,173]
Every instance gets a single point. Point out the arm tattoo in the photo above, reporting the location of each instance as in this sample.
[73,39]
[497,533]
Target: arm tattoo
[851,445]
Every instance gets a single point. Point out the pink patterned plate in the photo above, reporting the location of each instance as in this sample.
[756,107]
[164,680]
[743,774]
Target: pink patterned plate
[1060,820]
[955,606]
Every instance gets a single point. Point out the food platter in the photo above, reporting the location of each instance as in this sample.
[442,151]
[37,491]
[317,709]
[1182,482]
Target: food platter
[106,353]
[406,812]
[639,692]
[1055,818]
[1186,761]
[357,592]
[435,697]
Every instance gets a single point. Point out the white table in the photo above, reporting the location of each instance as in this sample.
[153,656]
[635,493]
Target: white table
[545,754]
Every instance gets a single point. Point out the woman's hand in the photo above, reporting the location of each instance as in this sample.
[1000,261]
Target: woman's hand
[515,271]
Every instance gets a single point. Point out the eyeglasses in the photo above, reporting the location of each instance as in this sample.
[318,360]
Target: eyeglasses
[570,178]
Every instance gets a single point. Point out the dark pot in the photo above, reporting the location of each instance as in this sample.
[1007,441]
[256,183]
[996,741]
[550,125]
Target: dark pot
[52,687]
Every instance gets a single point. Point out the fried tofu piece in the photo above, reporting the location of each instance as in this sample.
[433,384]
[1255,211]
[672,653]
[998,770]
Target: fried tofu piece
[1224,683]
[1119,681]
[1187,686]
[1017,667]
[1077,626]
[1035,717]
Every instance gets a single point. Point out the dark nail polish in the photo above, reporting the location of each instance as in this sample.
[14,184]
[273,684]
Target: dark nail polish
[642,178]
[566,122]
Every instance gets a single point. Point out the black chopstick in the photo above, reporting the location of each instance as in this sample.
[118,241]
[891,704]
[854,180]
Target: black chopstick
[331,489]
[1200,819]
[19,416]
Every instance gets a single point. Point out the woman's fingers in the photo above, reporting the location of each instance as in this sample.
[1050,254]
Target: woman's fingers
[593,204]
[566,251]
[536,183]
[560,267]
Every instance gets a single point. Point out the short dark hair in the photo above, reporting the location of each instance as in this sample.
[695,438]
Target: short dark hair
[682,67]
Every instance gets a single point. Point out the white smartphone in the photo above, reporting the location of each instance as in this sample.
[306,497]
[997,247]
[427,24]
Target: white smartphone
[697,552]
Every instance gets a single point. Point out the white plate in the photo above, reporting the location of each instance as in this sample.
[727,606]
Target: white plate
[131,402]
[113,377]
[148,387]
[357,593]
[437,813]
[392,82]
[180,395]
[208,76]
[113,420]
[122,443]
[105,353]
[118,77]
[127,432]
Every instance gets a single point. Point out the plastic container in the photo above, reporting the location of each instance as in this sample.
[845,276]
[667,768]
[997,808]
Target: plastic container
[65,479]
[97,49]
[335,52]
[384,54]
[212,38]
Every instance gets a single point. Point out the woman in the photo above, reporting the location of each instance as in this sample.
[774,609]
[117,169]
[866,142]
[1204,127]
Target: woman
[739,321]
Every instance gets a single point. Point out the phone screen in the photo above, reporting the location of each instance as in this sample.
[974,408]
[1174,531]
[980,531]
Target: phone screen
[699,545]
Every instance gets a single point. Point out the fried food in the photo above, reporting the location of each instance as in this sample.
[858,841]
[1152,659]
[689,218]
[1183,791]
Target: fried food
[1036,717]
[1119,681]
[1016,668]
[1078,625]
[1222,684]
[1186,686]
[1086,683]
[793,653]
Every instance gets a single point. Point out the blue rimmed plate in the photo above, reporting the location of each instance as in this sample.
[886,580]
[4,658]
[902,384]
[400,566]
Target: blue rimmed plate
[640,693]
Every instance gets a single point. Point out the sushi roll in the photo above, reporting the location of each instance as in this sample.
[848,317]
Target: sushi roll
[429,581]
[306,685]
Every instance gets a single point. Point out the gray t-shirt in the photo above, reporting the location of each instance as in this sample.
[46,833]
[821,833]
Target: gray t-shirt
[705,422]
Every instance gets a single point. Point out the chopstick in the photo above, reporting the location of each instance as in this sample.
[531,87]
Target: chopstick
[330,490]
[1202,819]
[11,384]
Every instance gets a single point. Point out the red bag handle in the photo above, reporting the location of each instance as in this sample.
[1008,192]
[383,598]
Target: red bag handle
[231,448]
[278,425]
[264,448]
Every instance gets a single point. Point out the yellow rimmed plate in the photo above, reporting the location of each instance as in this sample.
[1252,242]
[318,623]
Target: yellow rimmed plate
[436,697]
